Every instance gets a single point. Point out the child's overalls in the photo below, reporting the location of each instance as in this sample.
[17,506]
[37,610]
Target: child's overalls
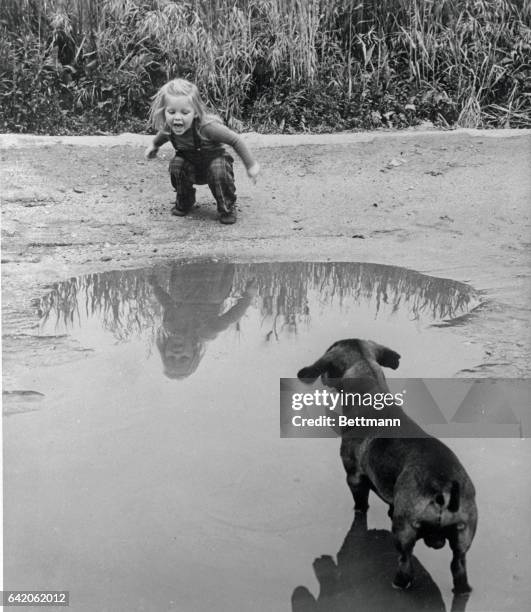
[210,165]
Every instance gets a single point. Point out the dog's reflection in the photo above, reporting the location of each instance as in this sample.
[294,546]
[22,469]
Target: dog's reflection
[192,313]
[360,579]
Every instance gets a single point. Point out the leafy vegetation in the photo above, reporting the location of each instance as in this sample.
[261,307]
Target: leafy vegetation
[79,66]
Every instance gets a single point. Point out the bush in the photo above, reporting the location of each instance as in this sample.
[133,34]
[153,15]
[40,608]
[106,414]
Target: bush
[307,65]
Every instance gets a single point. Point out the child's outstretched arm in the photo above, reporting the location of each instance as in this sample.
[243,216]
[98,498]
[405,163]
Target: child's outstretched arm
[220,133]
[155,145]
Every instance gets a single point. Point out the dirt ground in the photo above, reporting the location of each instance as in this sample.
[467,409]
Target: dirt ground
[451,204]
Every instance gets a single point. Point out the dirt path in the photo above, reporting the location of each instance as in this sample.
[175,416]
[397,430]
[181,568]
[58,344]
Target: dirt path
[452,204]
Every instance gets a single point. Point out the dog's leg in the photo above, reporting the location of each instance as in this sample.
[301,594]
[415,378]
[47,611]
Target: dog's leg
[460,541]
[357,483]
[360,489]
[458,567]
[459,602]
[405,538]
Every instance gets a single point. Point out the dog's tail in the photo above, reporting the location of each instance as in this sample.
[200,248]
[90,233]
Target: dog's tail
[449,498]
[455,493]
[443,505]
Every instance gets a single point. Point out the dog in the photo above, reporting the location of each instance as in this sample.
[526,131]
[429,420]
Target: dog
[430,495]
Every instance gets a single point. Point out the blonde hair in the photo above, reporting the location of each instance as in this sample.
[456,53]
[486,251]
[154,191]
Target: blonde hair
[177,87]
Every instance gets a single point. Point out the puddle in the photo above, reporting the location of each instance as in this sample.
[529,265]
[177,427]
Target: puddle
[183,312]
[151,475]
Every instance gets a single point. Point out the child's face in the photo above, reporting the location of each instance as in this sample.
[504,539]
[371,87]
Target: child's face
[179,114]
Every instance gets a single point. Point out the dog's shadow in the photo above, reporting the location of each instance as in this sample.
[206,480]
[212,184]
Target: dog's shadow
[361,579]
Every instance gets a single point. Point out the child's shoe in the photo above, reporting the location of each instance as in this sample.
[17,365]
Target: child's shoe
[227,218]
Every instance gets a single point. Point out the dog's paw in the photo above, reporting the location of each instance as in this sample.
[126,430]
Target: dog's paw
[461,588]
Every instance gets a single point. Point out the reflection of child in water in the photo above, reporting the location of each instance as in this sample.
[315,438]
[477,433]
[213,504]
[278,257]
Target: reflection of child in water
[191,313]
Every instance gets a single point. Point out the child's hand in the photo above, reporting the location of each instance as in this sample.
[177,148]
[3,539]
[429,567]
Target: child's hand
[253,172]
[151,152]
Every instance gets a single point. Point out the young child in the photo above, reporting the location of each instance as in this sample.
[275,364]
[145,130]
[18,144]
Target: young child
[180,116]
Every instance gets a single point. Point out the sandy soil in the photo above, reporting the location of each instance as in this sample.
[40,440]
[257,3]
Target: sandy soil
[452,204]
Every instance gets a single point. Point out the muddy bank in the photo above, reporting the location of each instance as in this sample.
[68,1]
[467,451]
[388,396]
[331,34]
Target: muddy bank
[450,204]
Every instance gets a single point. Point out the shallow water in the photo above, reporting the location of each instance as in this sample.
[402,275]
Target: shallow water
[152,476]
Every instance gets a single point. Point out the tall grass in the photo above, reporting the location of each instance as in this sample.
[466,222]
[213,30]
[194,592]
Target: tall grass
[276,65]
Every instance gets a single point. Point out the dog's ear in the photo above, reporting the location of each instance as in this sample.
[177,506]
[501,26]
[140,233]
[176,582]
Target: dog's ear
[309,374]
[389,358]
[386,357]
[324,366]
